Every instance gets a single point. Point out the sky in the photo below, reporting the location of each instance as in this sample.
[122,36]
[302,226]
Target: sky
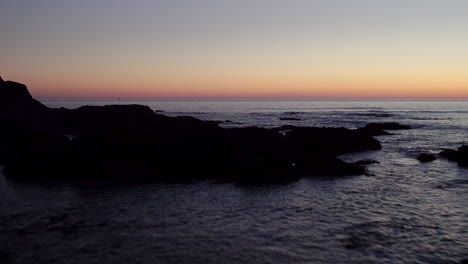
[294,49]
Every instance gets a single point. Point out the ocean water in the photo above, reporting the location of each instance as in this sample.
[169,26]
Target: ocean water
[404,211]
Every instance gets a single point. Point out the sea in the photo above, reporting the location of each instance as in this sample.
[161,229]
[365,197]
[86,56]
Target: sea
[401,211]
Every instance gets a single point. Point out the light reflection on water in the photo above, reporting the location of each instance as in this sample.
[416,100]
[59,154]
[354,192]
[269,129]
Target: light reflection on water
[405,212]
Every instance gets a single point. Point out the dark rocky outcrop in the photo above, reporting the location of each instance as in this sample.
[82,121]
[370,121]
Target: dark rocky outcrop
[329,140]
[132,142]
[380,129]
[17,102]
[4,256]
[426,157]
[459,156]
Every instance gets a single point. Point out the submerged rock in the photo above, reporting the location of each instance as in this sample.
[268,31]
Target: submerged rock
[289,119]
[426,157]
[387,126]
[366,162]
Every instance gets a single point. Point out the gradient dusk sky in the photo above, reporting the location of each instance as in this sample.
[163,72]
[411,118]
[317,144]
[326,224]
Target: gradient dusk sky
[236,48]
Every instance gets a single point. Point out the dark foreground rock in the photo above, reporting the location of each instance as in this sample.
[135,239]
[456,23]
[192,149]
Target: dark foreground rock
[132,142]
[426,157]
[459,156]
[4,256]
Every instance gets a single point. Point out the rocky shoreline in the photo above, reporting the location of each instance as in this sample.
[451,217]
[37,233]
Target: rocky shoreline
[133,142]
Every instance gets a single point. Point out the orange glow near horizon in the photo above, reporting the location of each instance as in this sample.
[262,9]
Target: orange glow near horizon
[247,92]
[283,87]
[260,49]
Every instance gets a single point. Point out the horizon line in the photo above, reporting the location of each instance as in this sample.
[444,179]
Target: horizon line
[249,99]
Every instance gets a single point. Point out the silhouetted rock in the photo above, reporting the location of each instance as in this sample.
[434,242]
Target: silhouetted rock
[4,255]
[87,119]
[449,154]
[33,155]
[426,157]
[366,162]
[115,110]
[459,156]
[379,129]
[16,102]
[329,140]
[133,142]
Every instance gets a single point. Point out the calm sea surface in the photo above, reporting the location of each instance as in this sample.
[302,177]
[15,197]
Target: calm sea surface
[403,212]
